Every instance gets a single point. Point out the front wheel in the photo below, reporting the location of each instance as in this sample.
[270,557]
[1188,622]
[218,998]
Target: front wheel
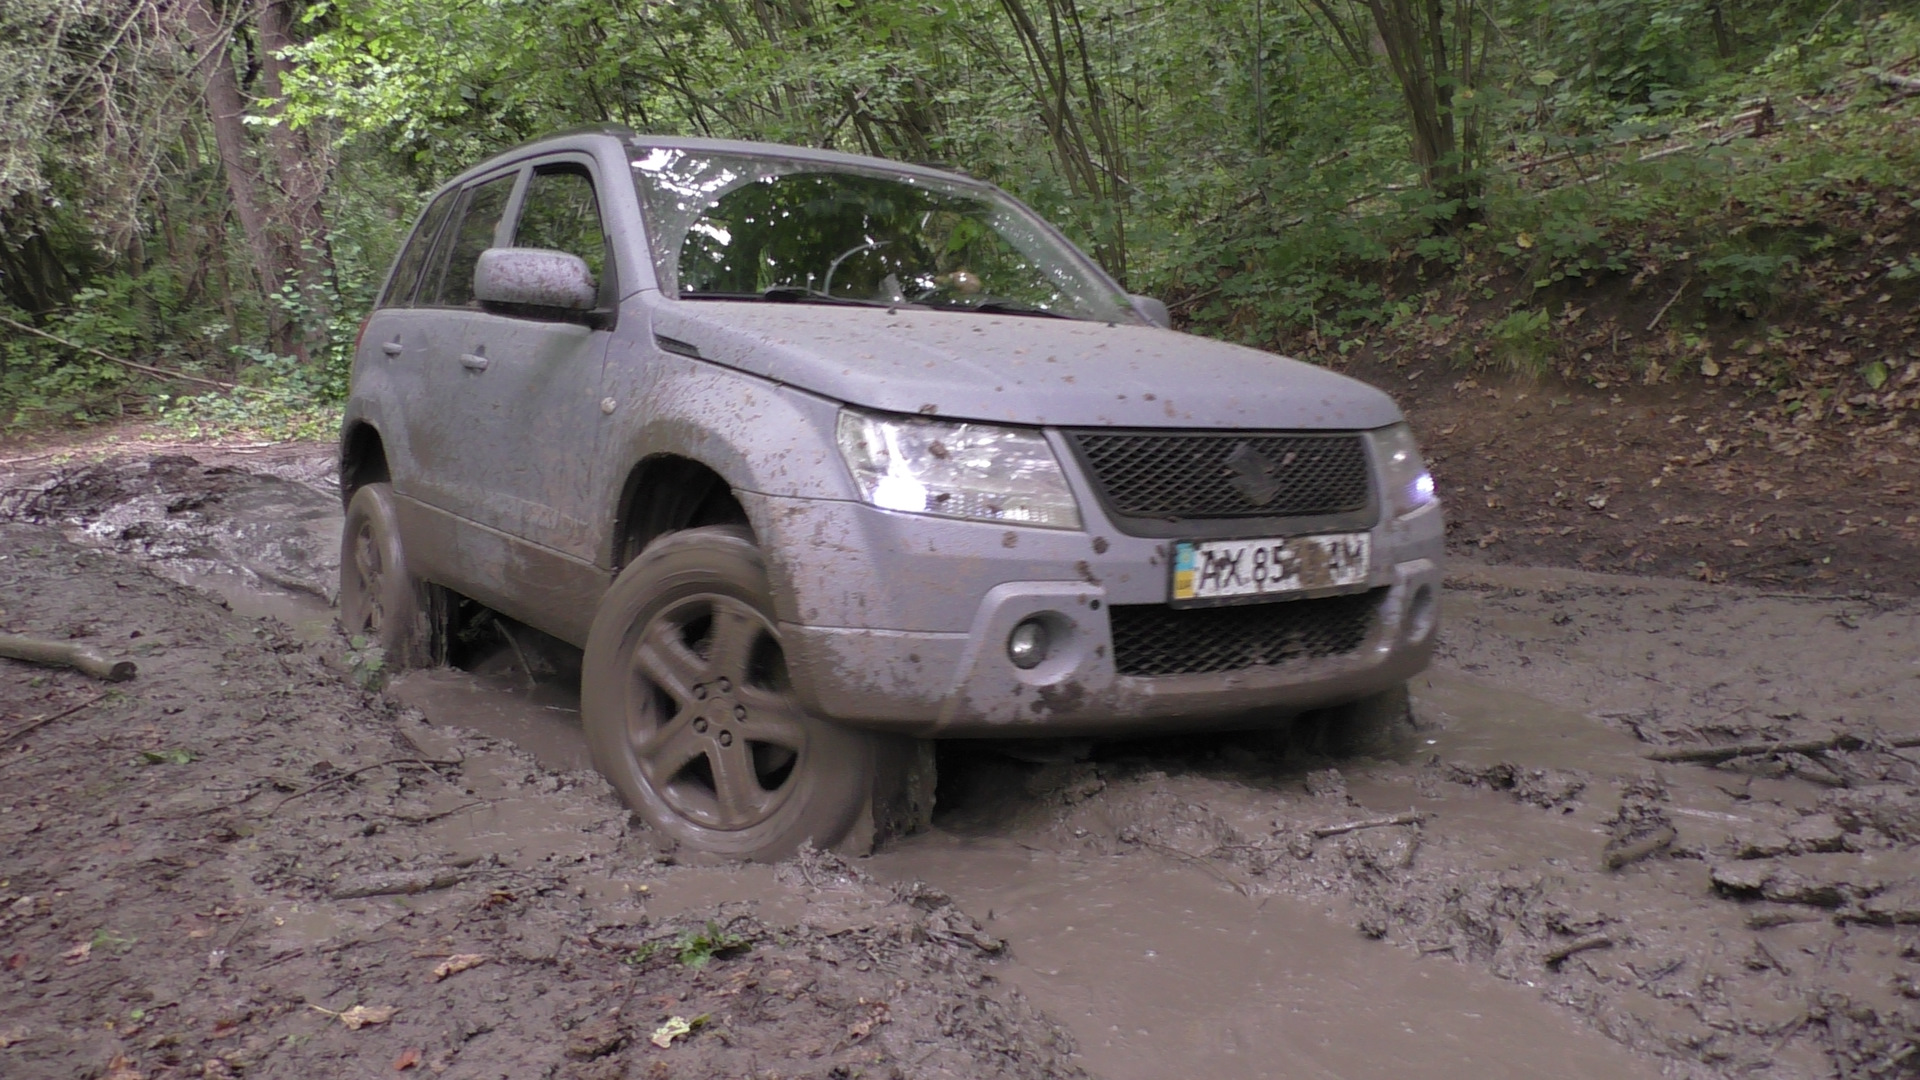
[689,713]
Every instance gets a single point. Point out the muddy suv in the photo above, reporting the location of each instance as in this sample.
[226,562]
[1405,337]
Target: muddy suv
[819,456]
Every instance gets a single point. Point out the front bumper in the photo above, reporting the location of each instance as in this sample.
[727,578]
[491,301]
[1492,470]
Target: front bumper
[900,622]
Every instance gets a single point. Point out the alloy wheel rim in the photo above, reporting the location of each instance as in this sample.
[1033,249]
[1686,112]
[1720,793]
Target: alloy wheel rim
[710,720]
[368,566]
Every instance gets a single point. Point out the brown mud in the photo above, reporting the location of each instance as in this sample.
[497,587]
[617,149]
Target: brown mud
[1225,906]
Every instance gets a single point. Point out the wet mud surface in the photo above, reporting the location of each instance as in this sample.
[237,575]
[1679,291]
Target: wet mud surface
[1519,891]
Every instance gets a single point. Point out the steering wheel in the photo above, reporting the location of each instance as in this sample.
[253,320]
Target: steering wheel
[826,285]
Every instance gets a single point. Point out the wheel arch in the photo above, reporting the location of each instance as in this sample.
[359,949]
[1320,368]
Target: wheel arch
[669,492]
[363,459]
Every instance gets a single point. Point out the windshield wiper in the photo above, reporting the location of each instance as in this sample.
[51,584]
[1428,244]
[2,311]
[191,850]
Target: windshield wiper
[1011,307]
[789,294]
[796,294]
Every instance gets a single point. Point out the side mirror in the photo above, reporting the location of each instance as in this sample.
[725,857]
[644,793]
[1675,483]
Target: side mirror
[1154,311]
[536,278]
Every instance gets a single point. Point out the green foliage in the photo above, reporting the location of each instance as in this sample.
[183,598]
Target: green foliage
[366,663]
[1742,281]
[1248,161]
[694,949]
[1522,342]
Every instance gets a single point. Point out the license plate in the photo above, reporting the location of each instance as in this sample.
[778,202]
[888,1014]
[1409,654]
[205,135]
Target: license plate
[1228,570]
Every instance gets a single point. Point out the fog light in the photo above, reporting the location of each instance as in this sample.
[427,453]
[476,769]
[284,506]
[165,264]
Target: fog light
[1027,645]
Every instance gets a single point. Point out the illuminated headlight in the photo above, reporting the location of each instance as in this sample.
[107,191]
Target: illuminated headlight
[1409,486]
[975,471]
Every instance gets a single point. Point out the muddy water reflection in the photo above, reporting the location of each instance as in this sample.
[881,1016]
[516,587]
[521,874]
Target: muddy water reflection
[542,719]
[1478,724]
[1162,972]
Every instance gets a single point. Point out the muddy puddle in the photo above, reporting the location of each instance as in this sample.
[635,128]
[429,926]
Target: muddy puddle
[1161,971]
[1216,907]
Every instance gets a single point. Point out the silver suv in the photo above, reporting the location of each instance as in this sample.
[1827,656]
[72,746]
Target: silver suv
[819,456]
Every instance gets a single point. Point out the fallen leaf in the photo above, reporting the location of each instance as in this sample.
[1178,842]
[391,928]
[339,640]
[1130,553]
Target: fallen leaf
[121,1069]
[408,1059]
[360,1015]
[860,1029]
[1597,502]
[664,1035]
[454,965]
[11,1036]
[79,953]
[1709,368]
[16,961]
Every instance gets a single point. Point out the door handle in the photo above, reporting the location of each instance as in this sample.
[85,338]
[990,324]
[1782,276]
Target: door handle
[474,361]
[392,348]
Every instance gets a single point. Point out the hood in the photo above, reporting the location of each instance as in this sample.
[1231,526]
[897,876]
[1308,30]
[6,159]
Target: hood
[1021,369]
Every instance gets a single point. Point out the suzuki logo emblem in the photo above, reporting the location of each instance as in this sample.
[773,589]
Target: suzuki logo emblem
[1255,476]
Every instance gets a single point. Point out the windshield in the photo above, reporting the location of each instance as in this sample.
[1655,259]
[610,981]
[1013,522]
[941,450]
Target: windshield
[731,227]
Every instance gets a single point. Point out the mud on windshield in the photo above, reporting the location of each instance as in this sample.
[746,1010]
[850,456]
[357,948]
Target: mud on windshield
[725,227]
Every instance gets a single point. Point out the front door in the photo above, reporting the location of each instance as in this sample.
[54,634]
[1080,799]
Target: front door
[530,399]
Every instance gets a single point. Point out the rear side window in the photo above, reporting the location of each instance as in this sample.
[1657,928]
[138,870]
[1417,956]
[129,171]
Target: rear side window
[471,234]
[560,213]
[406,269]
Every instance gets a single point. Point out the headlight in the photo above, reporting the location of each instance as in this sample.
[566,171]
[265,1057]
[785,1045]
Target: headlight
[975,471]
[1409,485]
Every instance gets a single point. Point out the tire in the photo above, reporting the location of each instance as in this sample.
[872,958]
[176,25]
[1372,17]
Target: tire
[690,715]
[379,598]
[1373,726]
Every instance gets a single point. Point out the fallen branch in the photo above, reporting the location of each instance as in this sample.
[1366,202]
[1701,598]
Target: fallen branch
[1593,941]
[45,720]
[1714,755]
[1672,300]
[82,658]
[146,369]
[1411,817]
[1905,84]
[345,776]
[1617,855]
[428,819]
[403,882]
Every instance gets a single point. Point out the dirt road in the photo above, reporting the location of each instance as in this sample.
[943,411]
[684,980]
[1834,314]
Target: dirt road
[232,837]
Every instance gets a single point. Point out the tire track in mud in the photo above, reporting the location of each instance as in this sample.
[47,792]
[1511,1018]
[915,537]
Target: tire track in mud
[239,864]
[1767,930]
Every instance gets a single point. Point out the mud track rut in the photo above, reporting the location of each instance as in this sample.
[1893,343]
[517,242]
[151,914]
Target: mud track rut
[1176,908]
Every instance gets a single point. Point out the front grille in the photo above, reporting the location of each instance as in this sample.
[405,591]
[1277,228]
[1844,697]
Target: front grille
[1226,474]
[1154,639]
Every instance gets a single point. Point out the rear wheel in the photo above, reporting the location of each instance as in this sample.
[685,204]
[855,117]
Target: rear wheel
[690,715]
[379,599]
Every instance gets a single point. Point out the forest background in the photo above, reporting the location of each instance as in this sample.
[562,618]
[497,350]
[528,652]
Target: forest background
[199,197]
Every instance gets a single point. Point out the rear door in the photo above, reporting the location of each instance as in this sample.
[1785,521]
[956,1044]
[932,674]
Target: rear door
[391,368]
[441,424]
[532,400]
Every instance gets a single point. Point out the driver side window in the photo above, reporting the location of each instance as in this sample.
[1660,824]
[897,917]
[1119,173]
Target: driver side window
[560,213]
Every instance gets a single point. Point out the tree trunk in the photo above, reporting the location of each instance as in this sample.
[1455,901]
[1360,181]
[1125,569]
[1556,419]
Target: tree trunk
[226,112]
[1723,42]
[299,171]
[1430,70]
